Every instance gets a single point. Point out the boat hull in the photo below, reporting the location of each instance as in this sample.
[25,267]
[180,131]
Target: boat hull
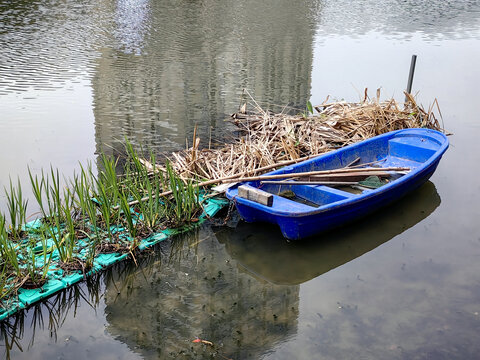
[419,149]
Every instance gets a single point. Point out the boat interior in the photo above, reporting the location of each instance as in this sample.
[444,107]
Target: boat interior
[400,151]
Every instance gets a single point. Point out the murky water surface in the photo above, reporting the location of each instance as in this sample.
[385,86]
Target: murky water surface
[78,76]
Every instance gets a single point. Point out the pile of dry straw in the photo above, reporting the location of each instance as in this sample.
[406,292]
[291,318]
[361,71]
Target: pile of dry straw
[273,139]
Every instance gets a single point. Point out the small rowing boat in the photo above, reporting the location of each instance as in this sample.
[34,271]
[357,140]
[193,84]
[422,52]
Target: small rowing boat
[342,185]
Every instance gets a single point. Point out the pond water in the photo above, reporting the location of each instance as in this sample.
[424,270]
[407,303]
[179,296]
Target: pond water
[76,77]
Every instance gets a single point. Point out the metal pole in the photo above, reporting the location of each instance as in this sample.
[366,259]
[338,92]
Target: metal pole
[410,75]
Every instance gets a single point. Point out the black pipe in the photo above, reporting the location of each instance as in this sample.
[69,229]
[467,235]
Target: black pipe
[410,75]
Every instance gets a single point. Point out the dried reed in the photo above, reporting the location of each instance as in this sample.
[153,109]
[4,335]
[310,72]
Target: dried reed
[271,138]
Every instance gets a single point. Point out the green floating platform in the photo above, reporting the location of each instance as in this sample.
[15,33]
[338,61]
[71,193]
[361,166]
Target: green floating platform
[58,280]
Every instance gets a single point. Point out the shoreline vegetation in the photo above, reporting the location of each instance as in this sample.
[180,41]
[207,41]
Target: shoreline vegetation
[113,211]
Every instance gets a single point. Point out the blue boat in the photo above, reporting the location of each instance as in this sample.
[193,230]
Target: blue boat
[311,208]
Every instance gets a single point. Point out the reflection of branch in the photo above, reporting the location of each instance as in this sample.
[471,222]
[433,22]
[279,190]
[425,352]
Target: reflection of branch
[94,288]
[181,244]
[37,318]
[10,331]
[127,272]
[58,307]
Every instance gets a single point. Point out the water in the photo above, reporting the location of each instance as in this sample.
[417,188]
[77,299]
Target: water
[78,76]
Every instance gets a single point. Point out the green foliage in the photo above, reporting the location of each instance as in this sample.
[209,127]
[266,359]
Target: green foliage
[4,284]
[308,110]
[36,272]
[130,222]
[8,250]
[309,107]
[17,208]
[145,188]
[87,210]
[185,202]
[92,210]
[69,237]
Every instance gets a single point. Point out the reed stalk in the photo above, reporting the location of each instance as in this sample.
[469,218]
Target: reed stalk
[38,187]
[152,210]
[185,202]
[37,273]
[269,137]
[69,237]
[88,212]
[54,198]
[9,251]
[17,208]
[147,187]
[5,285]
[107,194]
[130,223]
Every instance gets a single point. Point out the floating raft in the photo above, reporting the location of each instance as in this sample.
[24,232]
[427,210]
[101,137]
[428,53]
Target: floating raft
[58,279]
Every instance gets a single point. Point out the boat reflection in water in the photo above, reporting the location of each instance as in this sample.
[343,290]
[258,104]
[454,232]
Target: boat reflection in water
[260,249]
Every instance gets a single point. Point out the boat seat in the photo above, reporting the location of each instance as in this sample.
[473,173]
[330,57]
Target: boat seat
[412,148]
[314,194]
[335,191]
[282,203]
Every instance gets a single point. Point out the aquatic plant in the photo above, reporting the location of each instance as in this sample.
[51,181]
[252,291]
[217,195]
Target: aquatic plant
[9,253]
[185,203]
[152,210]
[54,197]
[67,246]
[17,208]
[4,284]
[105,208]
[8,262]
[35,271]
[92,213]
[58,221]
[82,199]
[38,186]
[108,178]
[145,187]
[107,195]
[88,215]
[308,110]
[130,222]
[45,248]
[47,186]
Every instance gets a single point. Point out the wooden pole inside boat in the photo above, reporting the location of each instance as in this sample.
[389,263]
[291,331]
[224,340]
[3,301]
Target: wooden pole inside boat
[319,172]
[296,182]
